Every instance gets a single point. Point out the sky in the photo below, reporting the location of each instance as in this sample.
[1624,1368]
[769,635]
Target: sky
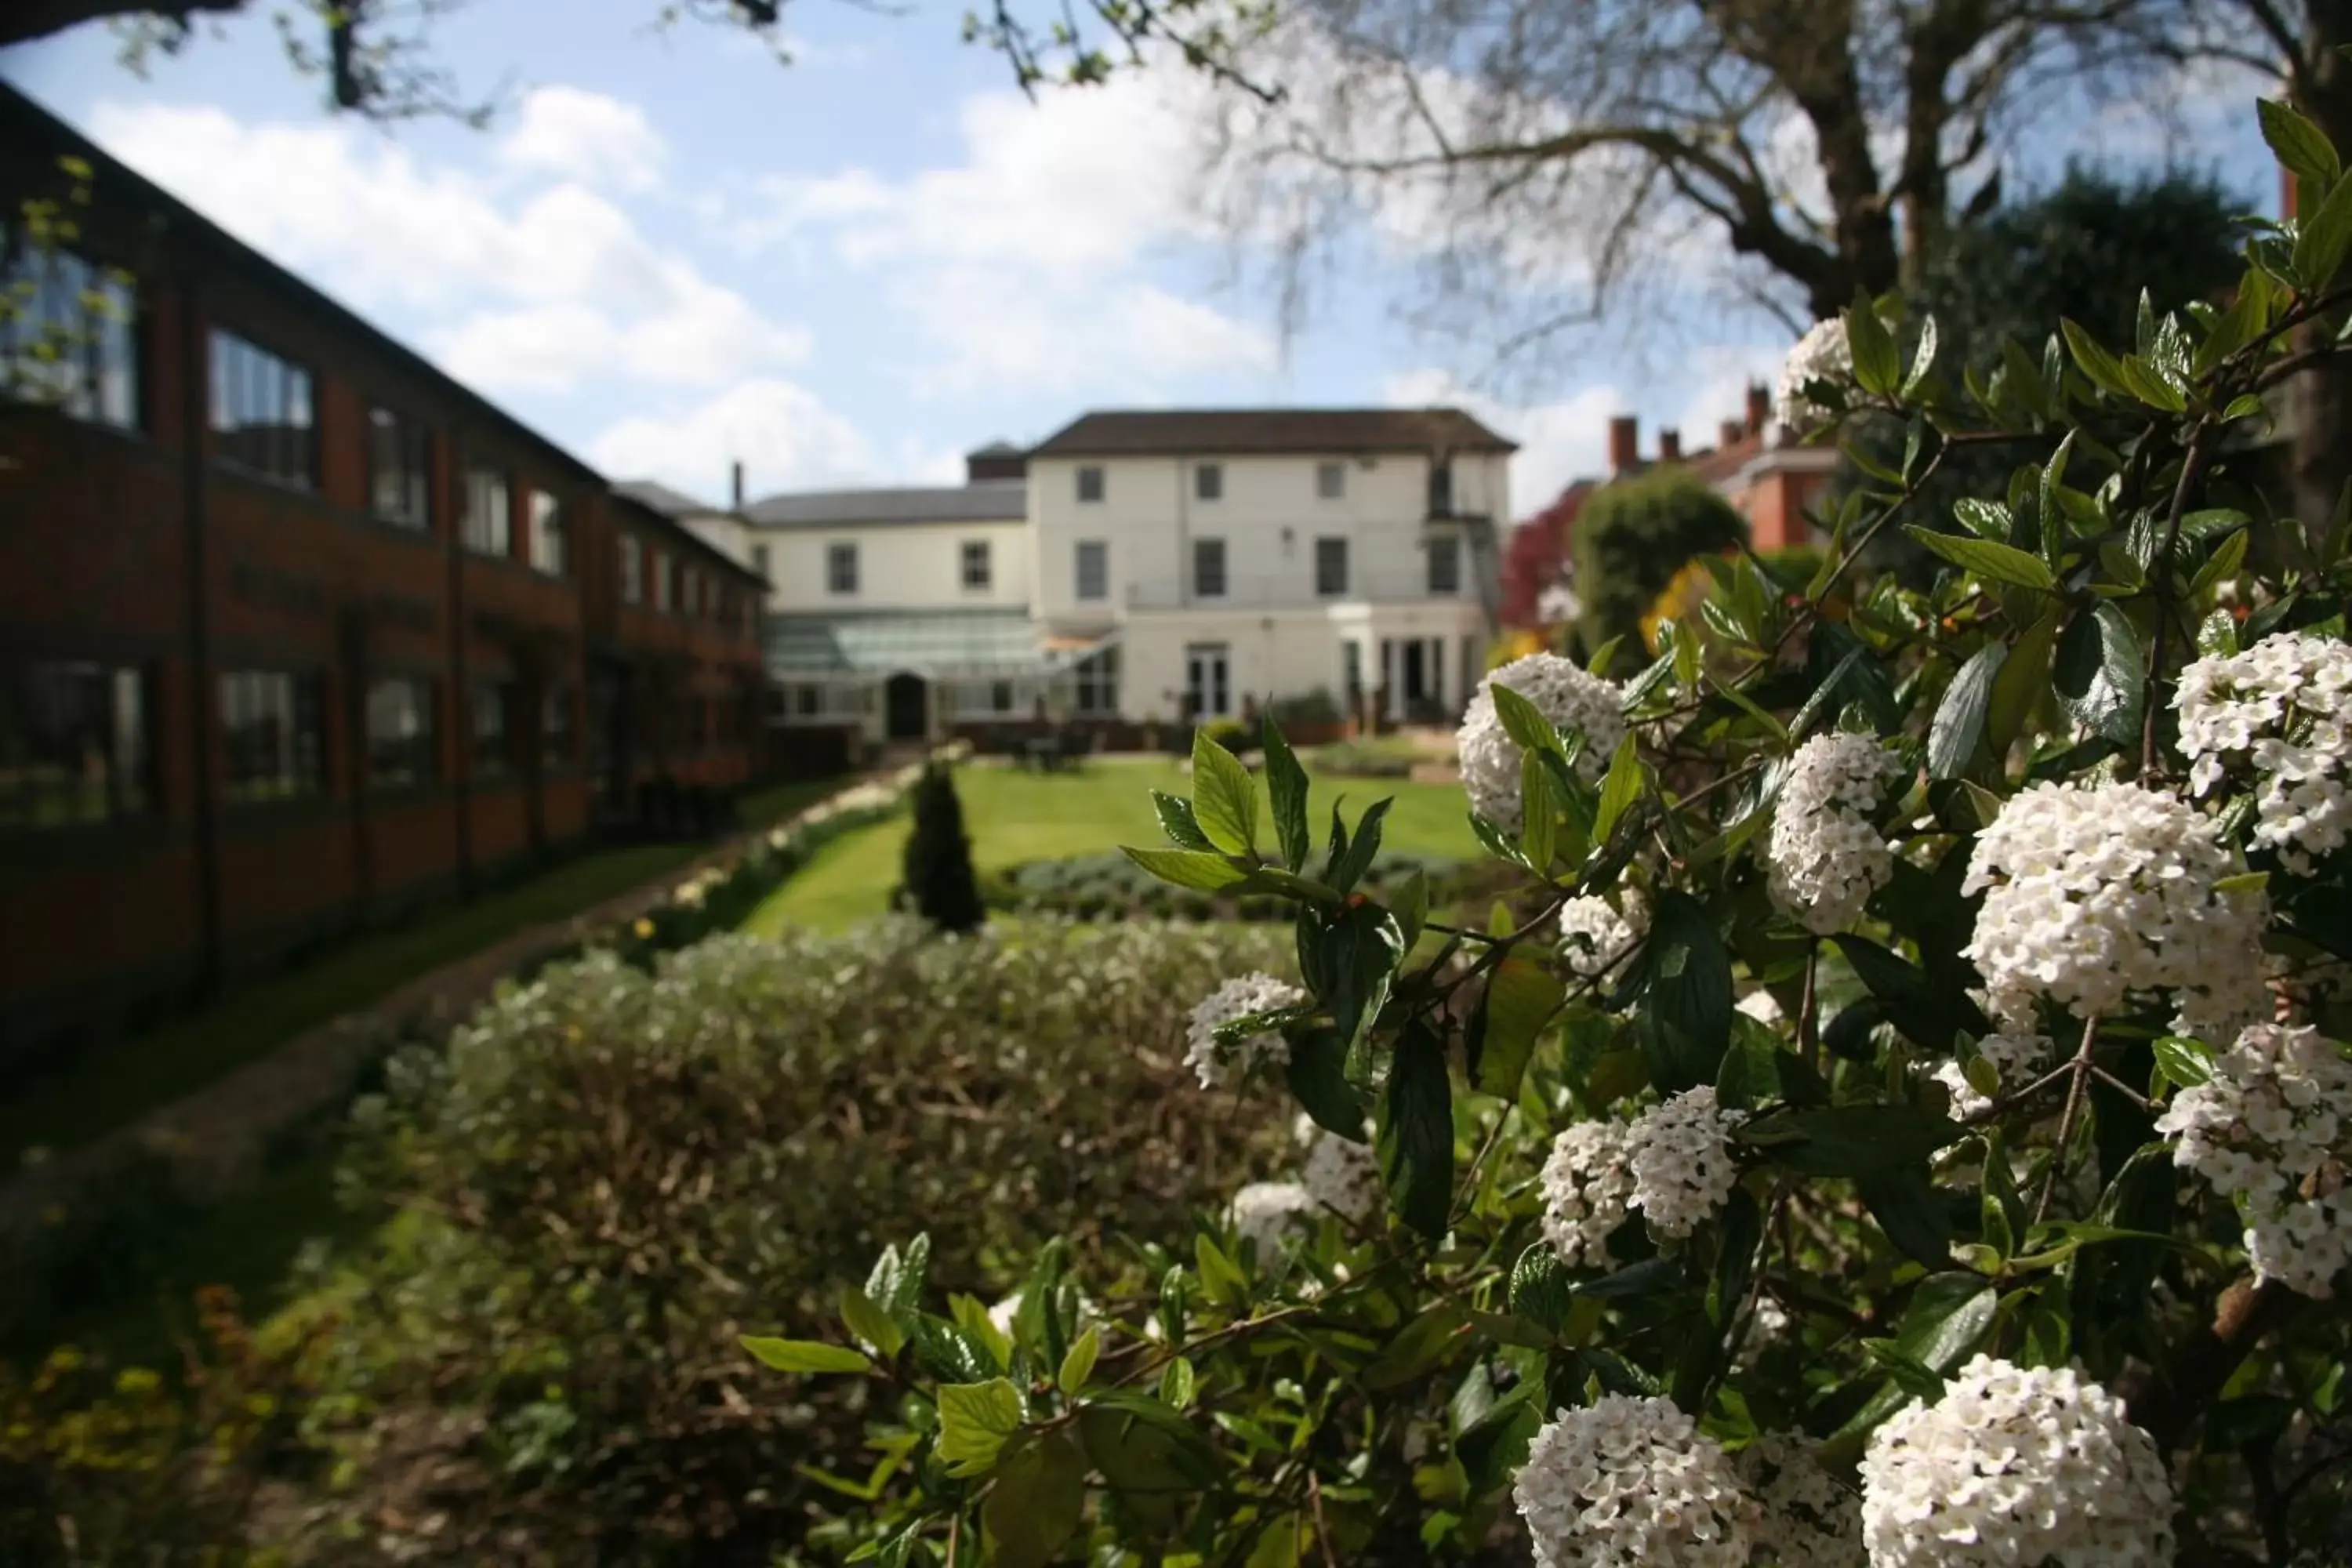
[669,252]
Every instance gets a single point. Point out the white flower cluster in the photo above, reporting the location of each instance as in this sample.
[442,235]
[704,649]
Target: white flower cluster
[1630,1483]
[1339,1174]
[1673,1162]
[1821,355]
[1824,858]
[2009,1054]
[1564,694]
[1212,1060]
[2014,1465]
[2096,893]
[1270,1213]
[1763,1006]
[1595,933]
[2269,1131]
[2283,705]
[1805,1518]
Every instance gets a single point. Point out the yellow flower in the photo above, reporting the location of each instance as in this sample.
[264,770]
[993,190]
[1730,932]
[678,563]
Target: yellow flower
[643,928]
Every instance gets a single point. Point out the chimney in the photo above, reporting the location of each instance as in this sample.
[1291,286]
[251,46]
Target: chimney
[1625,443]
[1728,433]
[1759,408]
[1670,445]
[739,487]
[997,460]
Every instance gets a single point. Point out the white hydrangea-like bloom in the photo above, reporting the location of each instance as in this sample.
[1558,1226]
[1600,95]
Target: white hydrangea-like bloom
[1595,933]
[2010,1055]
[1339,1174]
[1215,1063]
[1806,1520]
[1588,1187]
[2269,1131]
[1630,1483]
[1271,1214]
[1821,355]
[2013,1466]
[1564,693]
[1824,858]
[1763,1006]
[2283,707]
[1680,1160]
[2101,892]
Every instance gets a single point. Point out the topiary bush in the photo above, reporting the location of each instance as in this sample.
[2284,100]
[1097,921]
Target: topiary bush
[938,881]
[1634,535]
[610,1173]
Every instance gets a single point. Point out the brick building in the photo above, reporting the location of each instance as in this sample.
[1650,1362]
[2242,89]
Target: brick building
[1768,478]
[296,632]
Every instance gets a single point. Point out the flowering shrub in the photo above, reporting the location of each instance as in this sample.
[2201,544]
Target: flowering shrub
[1946,1164]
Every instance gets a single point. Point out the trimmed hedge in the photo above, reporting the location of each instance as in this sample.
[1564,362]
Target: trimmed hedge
[1112,887]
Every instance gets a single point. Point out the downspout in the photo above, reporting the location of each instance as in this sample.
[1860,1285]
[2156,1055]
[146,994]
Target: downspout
[195,416]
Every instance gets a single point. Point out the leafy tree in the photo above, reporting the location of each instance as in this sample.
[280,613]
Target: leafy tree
[938,881]
[1536,559]
[1632,536]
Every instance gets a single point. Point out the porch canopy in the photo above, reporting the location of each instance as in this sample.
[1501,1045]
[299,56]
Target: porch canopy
[940,645]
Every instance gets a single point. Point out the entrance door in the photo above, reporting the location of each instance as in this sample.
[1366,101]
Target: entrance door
[906,708]
[1208,681]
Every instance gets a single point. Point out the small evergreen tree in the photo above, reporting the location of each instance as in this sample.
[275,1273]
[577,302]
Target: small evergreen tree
[1631,539]
[936,879]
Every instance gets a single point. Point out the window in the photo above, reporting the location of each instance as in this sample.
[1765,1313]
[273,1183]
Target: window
[999,697]
[400,469]
[263,421]
[272,722]
[557,737]
[549,547]
[977,572]
[73,743]
[71,341]
[1441,489]
[661,565]
[760,559]
[1090,484]
[1330,480]
[492,704]
[489,517]
[1446,565]
[1352,679]
[1097,682]
[1208,681]
[1208,482]
[1093,569]
[1331,566]
[1209,568]
[633,570]
[807,701]
[689,588]
[841,568]
[400,733]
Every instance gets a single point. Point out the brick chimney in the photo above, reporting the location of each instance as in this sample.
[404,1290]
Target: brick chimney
[1670,445]
[1625,443]
[1729,433]
[1759,408]
[739,487]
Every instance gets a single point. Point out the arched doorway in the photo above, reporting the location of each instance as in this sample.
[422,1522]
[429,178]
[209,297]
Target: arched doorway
[906,708]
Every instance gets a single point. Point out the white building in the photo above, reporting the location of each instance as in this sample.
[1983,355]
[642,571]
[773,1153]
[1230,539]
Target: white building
[1146,568]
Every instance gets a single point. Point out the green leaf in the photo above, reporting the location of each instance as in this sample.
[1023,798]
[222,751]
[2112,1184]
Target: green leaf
[1146,1452]
[1907,1208]
[1877,366]
[1619,790]
[2299,145]
[1410,906]
[1177,821]
[975,1418]
[1416,1132]
[1177,1384]
[1318,1075]
[2019,682]
[1038,1497]
[2216,637]
[870,1323]
[2227,557]
[896,1285]
[1285,785]
[1198,869]
[1363,846]
[1995,563]
[1948,1314]
[2187,1062]
[1225,797]
[1923,362]
[2248,315]
[1221,1278]
[2050,504]
[1416,1348]
[1523,721]
[1910,1375]
[1361,948]
[1080,1363]
[1685,972]
[2100,676]
[2102,367]
[1985,519]
[1854,1140]
[1539,814]
[2322,238]
[1519,999]
[1960,719]
[804,1355]
[1539,1286]
[2151,386]
[1911,1001]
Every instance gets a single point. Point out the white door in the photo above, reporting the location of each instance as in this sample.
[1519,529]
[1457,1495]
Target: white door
[1208,681]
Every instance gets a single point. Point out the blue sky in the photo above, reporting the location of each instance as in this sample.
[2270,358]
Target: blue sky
[671,251]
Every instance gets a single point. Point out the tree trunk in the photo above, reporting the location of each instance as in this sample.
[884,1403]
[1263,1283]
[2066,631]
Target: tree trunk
[2319,401]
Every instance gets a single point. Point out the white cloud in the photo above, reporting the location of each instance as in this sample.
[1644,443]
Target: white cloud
[543,290]
[997,328]
[784,434]
[584,136]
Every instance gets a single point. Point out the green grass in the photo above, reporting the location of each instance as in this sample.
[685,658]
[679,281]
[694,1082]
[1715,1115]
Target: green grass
[103,1089]
[1012,816]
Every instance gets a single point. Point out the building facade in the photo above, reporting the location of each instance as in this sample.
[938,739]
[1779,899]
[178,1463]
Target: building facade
[296,632]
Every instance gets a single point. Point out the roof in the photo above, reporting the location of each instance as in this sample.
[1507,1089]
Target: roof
[972,644]
[662,499]
[1000,449]
[989,500]
[1246,430]
[679,534]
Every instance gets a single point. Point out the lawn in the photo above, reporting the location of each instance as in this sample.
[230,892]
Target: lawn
[1012,816]
[104,1090]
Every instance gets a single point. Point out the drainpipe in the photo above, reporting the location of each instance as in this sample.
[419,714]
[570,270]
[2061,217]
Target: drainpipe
[195,417]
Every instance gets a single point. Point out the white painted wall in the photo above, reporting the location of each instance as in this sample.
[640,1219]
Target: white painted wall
[1281,653]
[900,566]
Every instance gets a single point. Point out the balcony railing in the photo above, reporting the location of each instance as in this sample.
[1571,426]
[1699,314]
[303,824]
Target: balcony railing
[1286,593]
